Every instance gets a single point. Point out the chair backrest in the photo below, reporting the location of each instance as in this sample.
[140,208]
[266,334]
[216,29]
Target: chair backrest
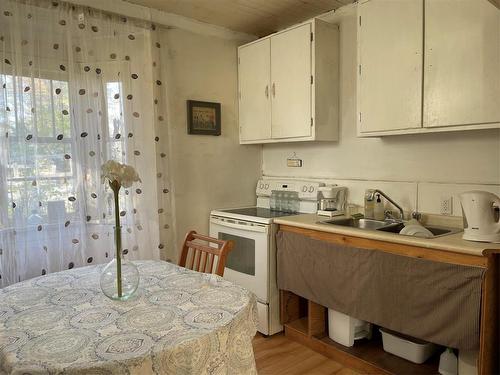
[202,256]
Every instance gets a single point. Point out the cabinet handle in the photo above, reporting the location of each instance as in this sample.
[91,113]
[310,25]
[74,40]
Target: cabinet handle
[274,90]
[267,91]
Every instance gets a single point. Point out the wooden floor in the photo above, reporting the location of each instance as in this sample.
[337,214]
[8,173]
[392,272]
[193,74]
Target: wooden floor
[278,355]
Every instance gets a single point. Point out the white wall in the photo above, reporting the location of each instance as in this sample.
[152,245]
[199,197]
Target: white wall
[207,171]
[469,157]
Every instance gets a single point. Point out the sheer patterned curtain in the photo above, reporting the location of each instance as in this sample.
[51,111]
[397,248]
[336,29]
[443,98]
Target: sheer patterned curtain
[78,87]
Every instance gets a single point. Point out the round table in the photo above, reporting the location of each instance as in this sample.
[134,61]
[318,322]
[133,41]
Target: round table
[180,322]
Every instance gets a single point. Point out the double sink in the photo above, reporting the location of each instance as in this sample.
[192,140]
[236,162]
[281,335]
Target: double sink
[390,226]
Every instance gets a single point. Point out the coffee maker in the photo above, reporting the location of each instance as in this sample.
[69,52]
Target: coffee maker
[332,200]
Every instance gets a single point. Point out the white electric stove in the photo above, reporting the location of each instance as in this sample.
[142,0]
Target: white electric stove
[252,262]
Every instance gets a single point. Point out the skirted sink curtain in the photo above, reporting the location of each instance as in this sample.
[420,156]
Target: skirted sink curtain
[78,87]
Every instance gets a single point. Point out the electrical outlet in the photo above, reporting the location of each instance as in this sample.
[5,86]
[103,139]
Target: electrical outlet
[447,205]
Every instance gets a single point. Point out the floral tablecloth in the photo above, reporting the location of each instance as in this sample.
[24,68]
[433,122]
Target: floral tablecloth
[181,322]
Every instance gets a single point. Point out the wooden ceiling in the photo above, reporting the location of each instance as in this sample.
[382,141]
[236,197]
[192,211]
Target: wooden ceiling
[495,3]
[256,17]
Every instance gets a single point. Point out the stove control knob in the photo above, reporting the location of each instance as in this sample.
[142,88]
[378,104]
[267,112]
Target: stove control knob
[267,186]
[261,186]
[304,188]
[311,189]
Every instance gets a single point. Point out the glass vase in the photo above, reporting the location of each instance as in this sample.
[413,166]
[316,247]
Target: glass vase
[120,278]
[129,280]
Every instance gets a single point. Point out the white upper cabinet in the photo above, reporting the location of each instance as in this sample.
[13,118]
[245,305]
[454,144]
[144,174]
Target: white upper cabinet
[428,66]
[288,85]
[254,91]
[291,83]
[390,37]
[462,63]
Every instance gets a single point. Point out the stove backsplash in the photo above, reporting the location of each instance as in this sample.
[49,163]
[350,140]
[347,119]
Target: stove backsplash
[424,197]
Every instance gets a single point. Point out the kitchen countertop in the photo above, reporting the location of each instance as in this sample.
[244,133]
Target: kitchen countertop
[452,242]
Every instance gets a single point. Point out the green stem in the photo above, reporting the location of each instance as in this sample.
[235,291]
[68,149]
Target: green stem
[118,237]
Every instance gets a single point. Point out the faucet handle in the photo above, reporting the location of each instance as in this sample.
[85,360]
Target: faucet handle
[416,215]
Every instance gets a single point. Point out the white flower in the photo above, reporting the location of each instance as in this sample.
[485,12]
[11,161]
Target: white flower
[124,174]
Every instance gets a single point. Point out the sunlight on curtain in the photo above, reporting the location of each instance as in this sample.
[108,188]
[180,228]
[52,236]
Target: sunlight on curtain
[78,87]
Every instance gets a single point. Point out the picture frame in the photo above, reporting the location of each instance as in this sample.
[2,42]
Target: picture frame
[203,118]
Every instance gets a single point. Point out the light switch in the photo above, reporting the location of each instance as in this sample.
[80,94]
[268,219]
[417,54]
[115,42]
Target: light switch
[294,162]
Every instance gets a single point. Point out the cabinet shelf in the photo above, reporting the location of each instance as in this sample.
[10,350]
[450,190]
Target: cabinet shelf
[306,322]
[299,325]
[372,352]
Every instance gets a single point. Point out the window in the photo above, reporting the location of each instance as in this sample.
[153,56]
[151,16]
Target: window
[42,150]
[40,147]
[115,138]
[114,101]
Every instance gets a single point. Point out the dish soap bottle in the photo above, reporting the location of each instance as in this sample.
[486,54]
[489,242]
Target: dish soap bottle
[378,210]
[369,205]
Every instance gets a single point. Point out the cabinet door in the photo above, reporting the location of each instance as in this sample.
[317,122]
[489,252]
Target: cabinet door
[254,91]
[291,83]
[390,41]
[462,63]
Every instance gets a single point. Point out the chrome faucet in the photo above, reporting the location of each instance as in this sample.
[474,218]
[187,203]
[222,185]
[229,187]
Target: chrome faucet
[370,195]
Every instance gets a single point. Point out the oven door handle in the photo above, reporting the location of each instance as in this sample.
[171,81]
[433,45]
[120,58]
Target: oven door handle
[248,227]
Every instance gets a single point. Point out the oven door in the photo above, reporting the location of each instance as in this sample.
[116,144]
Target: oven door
[248,263]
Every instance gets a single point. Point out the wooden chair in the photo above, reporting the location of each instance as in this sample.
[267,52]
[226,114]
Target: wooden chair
[202,257]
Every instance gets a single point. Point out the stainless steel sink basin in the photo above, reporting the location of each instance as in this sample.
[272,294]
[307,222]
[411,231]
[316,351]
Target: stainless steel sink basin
[358,223]
[386,226]
[436,231]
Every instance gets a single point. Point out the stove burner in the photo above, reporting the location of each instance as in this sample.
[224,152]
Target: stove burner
[259,212]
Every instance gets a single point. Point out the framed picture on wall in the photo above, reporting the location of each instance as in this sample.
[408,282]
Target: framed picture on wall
[203,118]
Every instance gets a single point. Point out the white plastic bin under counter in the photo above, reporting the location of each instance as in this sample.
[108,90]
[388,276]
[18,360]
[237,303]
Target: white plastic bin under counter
[414,350]
[344,329]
